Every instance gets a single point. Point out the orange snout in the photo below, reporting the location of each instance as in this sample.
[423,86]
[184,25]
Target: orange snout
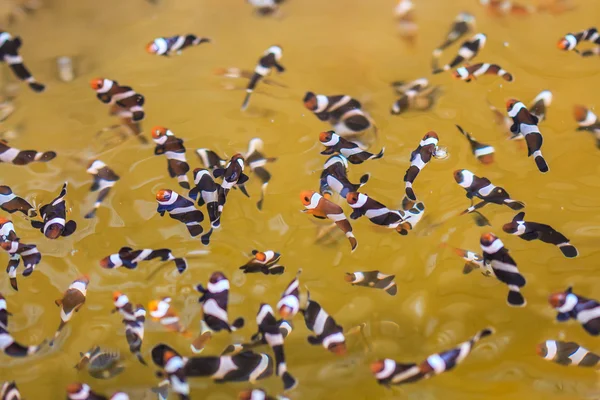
[326,136]
[164,195]
[260,256]
[579,112]
[305,196]
[158,131]
[377,366]
[116,295]
[488,237]
[563,44]
[557,299]
[151,48]
[285,311]
[510,103]
[97,83]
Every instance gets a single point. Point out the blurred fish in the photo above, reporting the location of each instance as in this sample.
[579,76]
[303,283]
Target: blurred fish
[373,279]
[505,7]
[206,191]
[12,203]
[473,261]
[30,255]
[8,344]
[328,333]
[210,159]
[526,123]
[167,46]
[233,72]
[22,157]
[376,212]
[7,231]
[233,176]
[73,299]
[334,178]
[587,121]
[181,209]
[258,339]
[256,161]
[265,262]
[468,73]
[163,312]
[54,217]
[9,391]
[125,101]
[428,146]
[570,41]
[463,24]
[405,15]
[82,391]
[483,152]
[414,95]
[289,303]
[104,179]
[265,7]
[572,306]
[133,318]
[269,60]
[483,189]
[467,51]
[129,258]
[172,147]
[9,52]
[351,151]
[101,364]
[567,353]
[538,107]
[258,394]
[344,113]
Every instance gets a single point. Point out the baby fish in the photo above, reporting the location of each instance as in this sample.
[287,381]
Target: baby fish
[483,152]
[104,179]
[354,154]
[256,161]
[8,344]
[467,51]
[471,72]
[344,113]
[173,148]
[73,299]
[129,258]
[334,178]
[587,121]
[181,209]
[133,319]
[9,52]
[269,60]
[567,353]
[373,279]
[12,203]
[572,306]
[265,262]
[22,157]
[167,46]
[526,123]
[328,333]
[54,217]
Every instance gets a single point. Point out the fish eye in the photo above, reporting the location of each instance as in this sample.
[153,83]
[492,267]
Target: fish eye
[306,198]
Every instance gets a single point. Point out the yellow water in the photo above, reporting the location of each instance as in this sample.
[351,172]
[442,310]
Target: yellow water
[331,47]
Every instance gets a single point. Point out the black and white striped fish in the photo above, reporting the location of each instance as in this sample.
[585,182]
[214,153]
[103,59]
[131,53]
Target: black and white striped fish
[7,231]
[343,113]
[181,209]
[54,217]
[354,154]
[483,189]
[256,161]
[258,339]
[570,41]
[467,51]
[373,279]
[206,192]
[526,124]
[9,52]
[104,179]
[129,258]
[328,333]
[587,121]
[12,203]
[210,159]
[265,262]
[414,95]
[334,178]
[233,175]
[23,157]
[269,60]
[483,152]
[167,46]
[463,24]
[82,391]
[572,306]
[30,255]
[418,160]
[133,318]
[289,303]
[172,147]
[124,101]
[567,353]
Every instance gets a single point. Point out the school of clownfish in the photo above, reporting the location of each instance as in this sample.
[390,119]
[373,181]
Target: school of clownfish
[343,144]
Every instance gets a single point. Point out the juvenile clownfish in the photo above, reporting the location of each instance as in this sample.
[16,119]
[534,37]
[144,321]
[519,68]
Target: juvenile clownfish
[54,215]
[181,209]
[538,107]
[526,123]
[505,7]
[572,306]
[206,192]
[23,157]
[258,394]
[163,312]
[428,146]
[334,178]
[373,279]
[9,391]
[319,207]
[210,159]
[30,255]
[233,175]
[389,372]
[467,51]
[463,24]
[405,15]
[9,53]
[8,345]
[129,258]
[567,353]
[344,113]
[256,161]
[417,95]
[82,391]
[354,154]
[126,102]
[173,148]
[483,152]
[587,121]
[470,72]
[483,189]
[473,261]
[73,299]
[167,46]
[328,333]
[104,179]
[527,230]
[269,60]
[570,41]
[265,262]
[12,203]
[133,318]
[174,366]
[504,268]
[7,231]
[289,303]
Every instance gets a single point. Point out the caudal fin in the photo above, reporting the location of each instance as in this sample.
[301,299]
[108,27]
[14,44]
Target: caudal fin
[364,179]
[289,382]
[379,155]
[181,264]
[140,358]
[195,230]
[514,204]
[515,298]
[541,164]
[205,239]
[237,324]
[47,156]
[392,290]
[353,242]
[568,250]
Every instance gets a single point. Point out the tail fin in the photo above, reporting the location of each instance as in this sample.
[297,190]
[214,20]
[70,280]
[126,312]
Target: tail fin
[47,156]
[514,204]
[195,230]
[364,179]
[483,333]
[289,382]
[200,342]
[353,242]
[205,239]
[91,214]
[379,155]
[246,101]
[568,250]
[276,270]
[140,358]
[237,324]
[507,77]
[515,298]
[392,290]
[541,164]
[181,264]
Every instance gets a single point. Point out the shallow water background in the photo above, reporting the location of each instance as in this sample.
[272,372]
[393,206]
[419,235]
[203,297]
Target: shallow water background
[331,47]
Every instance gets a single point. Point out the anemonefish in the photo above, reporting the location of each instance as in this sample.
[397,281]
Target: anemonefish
[570,305]
[571,40]
[463,24]
[269,60]
[8,345]
[467,51]
[167,46]
[470,72]
[334,178]
[484,189]
[256,161]
[473,261]
[125,98]
[526,123]
[7,231]
[214,300]
[268,327]
[133,318]
[258,394]
[417,95]
[483,152]
[265,7]
[210,159]
[527,230]
[55,222]
[505,7]
[9,391]
[82,391]
[174,368]
[73,299]
[233,175]
[129,258]
[405,15]
[567,353]
[343,112]
[9,51]
[104,179]
[172,147]
[428,146]
[319,207]
[22,157]
[206,192]
[538,107]
[163,312]
[504,268]
[181,209]
[12,203]
[354,154]
[587,121]
[265,262]
[373,279]
[30,255]
[289,303]
[328,333]
[389,372]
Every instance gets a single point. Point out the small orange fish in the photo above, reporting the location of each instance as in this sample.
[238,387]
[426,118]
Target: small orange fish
[163,312]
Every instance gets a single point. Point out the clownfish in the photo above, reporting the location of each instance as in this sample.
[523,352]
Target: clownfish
[587,121]
[233,175]
[129,258]
[428,146]
[163,312]
[373,279]
[319,207]
[505,7]
[483,152]
[104,179]
[174,366]
[483,189]
[206,192]
[82,391]
[30,255]
[167,46]
[265,262]
[527,230]
[417,95]
[467,51]
[572,306]
[258,339]
[504,268]
[133,318]
[405,14]
[334,178]
[328,333]
[7,231]
[9,52]
[73,299]
[269,60]
[172,147]
[470,72]
[258,394]
[567,353]
[210,159]
[12,203]
[473,261]
[538,107]
[8,345]
[526,123]
[181,209]
[354,154]
[289,303]
[256,161]
[127,100]
[23,157]
[265,7]
[344,113]
[54,217]
[389,372]
[571,40]
[463,24]
[9,391]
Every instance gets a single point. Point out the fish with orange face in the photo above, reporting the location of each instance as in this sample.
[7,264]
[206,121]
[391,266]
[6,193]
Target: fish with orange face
[573,306]
[354,154]
[289,303]
[167,46]
[483,152]
[328,333]
[319,207]
[73,299]
[163,312]
[265,262]
[172,147]
[472,72]
[181,209]
[54,215]
[525,123]
[570,41]
[126,102]
[18,251]
[587,121]
[427,149]
[538,107]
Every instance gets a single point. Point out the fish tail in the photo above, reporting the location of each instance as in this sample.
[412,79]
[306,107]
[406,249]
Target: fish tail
[507,76]
[515,298]
[392,290]
[364,179]
[237,324]
[140,358]
[514,204]
[246,100]
[353,241]
[289,382]
[205,239]
[380,154]
[181,264]
[541,162]
[568,250]
[195,230]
